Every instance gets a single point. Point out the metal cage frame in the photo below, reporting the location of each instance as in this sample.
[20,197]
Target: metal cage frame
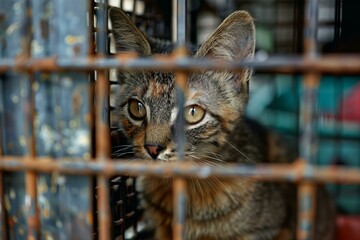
[80,59]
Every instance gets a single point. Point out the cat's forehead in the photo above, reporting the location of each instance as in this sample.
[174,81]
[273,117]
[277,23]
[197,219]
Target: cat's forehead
[159,85]
[166,78]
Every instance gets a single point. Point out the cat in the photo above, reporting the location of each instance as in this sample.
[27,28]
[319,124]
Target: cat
[216,133]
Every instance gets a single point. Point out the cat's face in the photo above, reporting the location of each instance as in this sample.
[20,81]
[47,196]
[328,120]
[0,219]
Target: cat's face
[215,100]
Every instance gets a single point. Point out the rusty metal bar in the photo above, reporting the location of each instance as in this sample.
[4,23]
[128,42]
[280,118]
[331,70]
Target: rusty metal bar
[92,30]
[181,78]
[308,150]
[2,209]
[308,142]
[3,229]
[306,209]
[181,23]
[298,171]
[103,207]
[3,232]
[28,105]
[179,187]
[311,27]
[179,203]
[308,115]
[14,45]
[31,206]
[102,130]
[337,29]
[331,64]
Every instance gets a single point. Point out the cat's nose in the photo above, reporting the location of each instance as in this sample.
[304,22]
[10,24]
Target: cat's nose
[154,149]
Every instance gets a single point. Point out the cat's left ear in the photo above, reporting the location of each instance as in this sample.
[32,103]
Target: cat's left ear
[127,36]
[233,39]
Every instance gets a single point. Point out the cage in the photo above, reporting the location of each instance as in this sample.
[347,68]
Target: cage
[59,128]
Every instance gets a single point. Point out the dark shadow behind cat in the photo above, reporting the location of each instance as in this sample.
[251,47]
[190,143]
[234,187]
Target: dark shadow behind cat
[216,133]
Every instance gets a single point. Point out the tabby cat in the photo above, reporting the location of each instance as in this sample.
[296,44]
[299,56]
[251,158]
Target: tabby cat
[216,133]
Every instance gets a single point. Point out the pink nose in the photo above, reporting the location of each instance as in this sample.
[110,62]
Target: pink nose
[153,150]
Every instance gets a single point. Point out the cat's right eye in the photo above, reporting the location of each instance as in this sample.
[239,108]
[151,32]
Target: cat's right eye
[136,109]
[194,114]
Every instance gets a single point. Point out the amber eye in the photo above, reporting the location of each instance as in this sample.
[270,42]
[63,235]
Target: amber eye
[136,109]
[194,114]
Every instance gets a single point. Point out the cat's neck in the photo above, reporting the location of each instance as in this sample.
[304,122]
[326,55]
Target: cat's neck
[246,144]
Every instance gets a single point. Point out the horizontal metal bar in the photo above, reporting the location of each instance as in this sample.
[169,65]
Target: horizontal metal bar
[298,171]
[331,64]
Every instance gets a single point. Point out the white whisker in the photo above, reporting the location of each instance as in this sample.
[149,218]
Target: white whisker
[239,151]
[122,154]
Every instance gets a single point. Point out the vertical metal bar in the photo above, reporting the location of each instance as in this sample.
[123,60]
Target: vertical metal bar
[179,185]
[311,22]
[338,8]
[299,25]
[31,206]
[181,22]
[306,208]
[308,149]
[174,21]
[103,208]
[92,84]
[308,142]
[14,97]
[3,233]
[91,27]
[102,128]
[101,18]
[3,228]
[133,14]
[180,209]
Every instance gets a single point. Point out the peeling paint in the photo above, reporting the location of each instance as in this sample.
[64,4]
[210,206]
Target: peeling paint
[15,98]
[70,39]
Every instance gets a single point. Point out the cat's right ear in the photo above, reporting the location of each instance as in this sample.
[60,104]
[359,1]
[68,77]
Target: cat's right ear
[233,39]
[127,36]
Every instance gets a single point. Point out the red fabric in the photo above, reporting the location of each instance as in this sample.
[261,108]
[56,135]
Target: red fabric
[350,106]
[348,227]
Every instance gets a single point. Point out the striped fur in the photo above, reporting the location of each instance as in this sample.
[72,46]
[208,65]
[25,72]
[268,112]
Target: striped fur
[217,208]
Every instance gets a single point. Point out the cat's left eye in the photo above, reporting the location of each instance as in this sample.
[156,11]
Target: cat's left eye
[136,109]
[194,114]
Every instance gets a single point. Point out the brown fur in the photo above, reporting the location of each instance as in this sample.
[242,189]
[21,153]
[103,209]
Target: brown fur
[216,209]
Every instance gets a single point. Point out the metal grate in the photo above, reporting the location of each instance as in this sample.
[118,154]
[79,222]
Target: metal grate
[55,63]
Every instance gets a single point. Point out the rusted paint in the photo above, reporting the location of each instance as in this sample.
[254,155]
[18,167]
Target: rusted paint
[262,172]
[103,144]
[31,206]
[44,26]
[308,138]
[179,203]
[328,64]
[3,229]
[306,211]
[103,152]
[103,208]
[181,80]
